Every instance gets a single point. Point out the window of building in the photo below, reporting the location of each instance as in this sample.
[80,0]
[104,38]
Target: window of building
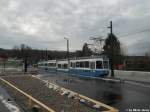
[99,65]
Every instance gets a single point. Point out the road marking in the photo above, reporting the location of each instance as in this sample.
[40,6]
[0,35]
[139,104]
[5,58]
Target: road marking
[30,97]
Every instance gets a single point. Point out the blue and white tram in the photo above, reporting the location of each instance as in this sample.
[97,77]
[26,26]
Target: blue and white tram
[62,66]
[96,67]
[51,65]
[42,65]
[88,67]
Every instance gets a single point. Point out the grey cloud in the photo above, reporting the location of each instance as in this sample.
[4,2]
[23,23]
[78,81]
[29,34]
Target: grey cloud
[44,23]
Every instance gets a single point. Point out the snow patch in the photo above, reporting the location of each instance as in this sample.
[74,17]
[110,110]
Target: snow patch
[9,105]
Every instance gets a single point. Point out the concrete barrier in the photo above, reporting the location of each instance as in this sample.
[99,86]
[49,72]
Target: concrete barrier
[133,75]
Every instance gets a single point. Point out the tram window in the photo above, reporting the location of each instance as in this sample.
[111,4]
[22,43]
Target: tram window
[73,65]
[86,63]
[105,64]
[99,65]
[50,64]
[77,64]
[65,66]
[45,64]
[53,64]
[62,66]
[92,65]
[81,64]
[59,65]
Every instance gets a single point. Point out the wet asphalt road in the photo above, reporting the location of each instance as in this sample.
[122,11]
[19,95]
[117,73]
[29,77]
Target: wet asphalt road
[123,96]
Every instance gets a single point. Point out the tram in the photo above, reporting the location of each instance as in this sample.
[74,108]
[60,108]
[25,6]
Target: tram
[88,67]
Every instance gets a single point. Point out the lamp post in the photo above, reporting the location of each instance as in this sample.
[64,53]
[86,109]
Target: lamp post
[67,55]
[67,50]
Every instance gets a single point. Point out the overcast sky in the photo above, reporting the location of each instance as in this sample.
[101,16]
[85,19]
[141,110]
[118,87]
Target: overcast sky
[44,23]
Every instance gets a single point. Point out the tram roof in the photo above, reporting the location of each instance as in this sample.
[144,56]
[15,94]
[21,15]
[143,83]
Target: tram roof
[80,58]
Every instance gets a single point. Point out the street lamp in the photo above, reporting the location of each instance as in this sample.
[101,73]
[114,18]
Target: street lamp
[67,55]
[67,49]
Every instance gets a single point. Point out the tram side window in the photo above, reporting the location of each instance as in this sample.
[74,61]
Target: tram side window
[53,64]
[49,64]
[86,63]
[81,64]
[99,65]
[92,65]
[45,64]
[65,66]
[59,65]
[62,66]
[73,65]
[77,64]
